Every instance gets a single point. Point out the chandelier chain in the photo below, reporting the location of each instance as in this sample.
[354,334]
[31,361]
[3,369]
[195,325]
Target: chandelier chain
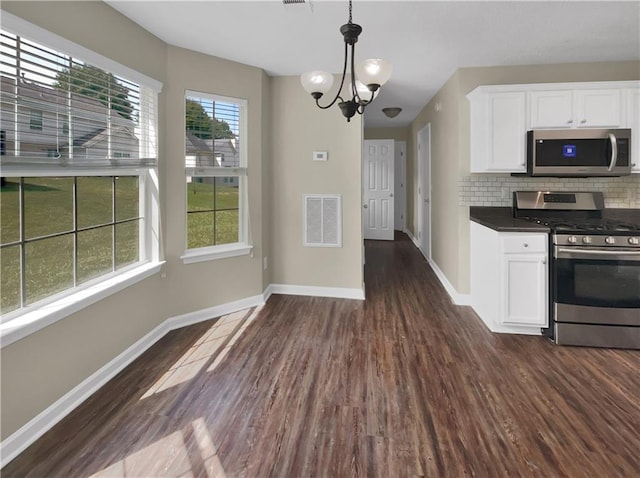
[350,8]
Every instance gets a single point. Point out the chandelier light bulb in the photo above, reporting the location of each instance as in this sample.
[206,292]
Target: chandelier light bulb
[362,85]
[317,81]
[374,71]
[365,93]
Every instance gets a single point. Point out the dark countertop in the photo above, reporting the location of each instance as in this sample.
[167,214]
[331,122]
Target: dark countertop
[626,215]
[501,219]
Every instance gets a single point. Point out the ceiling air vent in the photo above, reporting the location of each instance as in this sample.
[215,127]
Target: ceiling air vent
[292,2]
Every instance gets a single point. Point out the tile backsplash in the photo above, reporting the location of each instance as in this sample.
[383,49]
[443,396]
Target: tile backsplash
[497,189]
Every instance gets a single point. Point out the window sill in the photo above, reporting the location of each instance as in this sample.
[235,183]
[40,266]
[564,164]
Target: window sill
[31,321]
[218,252]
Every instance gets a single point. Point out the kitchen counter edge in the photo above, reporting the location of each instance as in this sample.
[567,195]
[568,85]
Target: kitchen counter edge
[501,219]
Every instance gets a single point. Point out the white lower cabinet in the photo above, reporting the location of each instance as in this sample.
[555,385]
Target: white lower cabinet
[524,289]
[509,279]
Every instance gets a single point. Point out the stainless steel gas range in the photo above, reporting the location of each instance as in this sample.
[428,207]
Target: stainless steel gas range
[594,268]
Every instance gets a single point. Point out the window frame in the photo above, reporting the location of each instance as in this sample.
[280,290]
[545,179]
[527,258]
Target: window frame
[36,122]
[26,320]
[243,246]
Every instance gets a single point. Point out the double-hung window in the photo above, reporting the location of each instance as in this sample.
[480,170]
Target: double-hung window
[79,178]
[216,177]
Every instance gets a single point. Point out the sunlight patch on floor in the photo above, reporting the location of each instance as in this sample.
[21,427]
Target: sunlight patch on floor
[172,456]
[209,350]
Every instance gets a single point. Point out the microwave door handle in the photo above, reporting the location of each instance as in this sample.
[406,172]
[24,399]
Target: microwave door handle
[614,151]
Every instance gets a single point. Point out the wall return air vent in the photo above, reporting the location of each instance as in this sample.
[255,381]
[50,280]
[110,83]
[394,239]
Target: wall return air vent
[322,220]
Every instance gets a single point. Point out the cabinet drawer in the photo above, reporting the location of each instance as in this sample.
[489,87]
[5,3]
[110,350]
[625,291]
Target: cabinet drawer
[520,244]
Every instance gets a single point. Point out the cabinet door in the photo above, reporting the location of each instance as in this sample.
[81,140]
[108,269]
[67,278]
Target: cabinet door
[633,122]
[525,289]
[551,109]
[598,108]
[507,132]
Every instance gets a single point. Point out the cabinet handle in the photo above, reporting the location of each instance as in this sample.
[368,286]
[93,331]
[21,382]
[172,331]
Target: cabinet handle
[525,244]
[583,121]
[569,121]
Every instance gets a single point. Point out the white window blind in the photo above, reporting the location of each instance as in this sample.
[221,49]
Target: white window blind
[58,111]
[214,131]
[216,172]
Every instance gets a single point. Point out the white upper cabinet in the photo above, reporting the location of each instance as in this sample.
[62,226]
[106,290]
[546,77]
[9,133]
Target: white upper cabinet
[633,122]
[498,141]
[502,114]
[551,109]
[577,108]
[600,108]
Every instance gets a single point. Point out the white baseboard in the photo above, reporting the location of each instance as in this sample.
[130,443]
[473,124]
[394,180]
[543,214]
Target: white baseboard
[17,442]
[213,312]
[456,297]
[314,291]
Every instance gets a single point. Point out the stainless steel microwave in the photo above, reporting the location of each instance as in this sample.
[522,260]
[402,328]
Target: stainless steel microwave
[579,152]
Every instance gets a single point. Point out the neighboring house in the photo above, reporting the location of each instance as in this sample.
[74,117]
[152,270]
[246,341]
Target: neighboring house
[217,153]
[51,123]
[226,152]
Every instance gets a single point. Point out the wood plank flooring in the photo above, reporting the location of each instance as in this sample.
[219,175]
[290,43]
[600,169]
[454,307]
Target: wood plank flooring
[402,384]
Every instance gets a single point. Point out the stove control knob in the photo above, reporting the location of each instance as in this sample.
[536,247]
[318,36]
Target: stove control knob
[586,240]
[610,240]
[634,241]
[572,239]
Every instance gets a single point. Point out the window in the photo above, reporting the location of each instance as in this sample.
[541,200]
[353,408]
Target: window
[216,174]
[35,120]
[77,197]
[64,232]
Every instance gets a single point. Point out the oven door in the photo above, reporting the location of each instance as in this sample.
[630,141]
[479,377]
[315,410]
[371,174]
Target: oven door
[596,285]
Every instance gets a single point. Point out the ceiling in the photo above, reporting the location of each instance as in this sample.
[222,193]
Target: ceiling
[426,41]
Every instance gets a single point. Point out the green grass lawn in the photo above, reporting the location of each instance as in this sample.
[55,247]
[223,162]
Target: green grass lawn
[213,214]
[48,209]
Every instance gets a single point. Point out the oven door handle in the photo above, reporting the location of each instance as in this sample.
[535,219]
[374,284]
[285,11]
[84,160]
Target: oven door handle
[614,151]
[597,254]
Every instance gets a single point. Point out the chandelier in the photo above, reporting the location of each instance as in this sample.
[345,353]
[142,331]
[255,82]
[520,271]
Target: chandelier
[365,79]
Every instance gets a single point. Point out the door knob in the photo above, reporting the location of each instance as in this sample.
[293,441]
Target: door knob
[365,206]
[391,195]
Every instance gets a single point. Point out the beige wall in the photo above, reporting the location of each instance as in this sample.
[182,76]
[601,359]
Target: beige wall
[42,367]
[398,134]
[451,148]
[267,248]
[200,285]
[38,370]
[444,171]
[298,129]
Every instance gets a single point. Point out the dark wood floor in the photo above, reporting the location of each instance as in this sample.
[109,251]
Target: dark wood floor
[402,384]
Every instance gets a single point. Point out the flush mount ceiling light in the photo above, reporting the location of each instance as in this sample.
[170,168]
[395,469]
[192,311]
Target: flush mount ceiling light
[365,79]
[391,112]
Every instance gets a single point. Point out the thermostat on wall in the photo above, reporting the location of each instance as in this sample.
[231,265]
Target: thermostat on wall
[319,155]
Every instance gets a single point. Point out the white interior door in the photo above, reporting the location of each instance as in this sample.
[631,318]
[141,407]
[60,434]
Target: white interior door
[424,190]
[400,179]
[378,204]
